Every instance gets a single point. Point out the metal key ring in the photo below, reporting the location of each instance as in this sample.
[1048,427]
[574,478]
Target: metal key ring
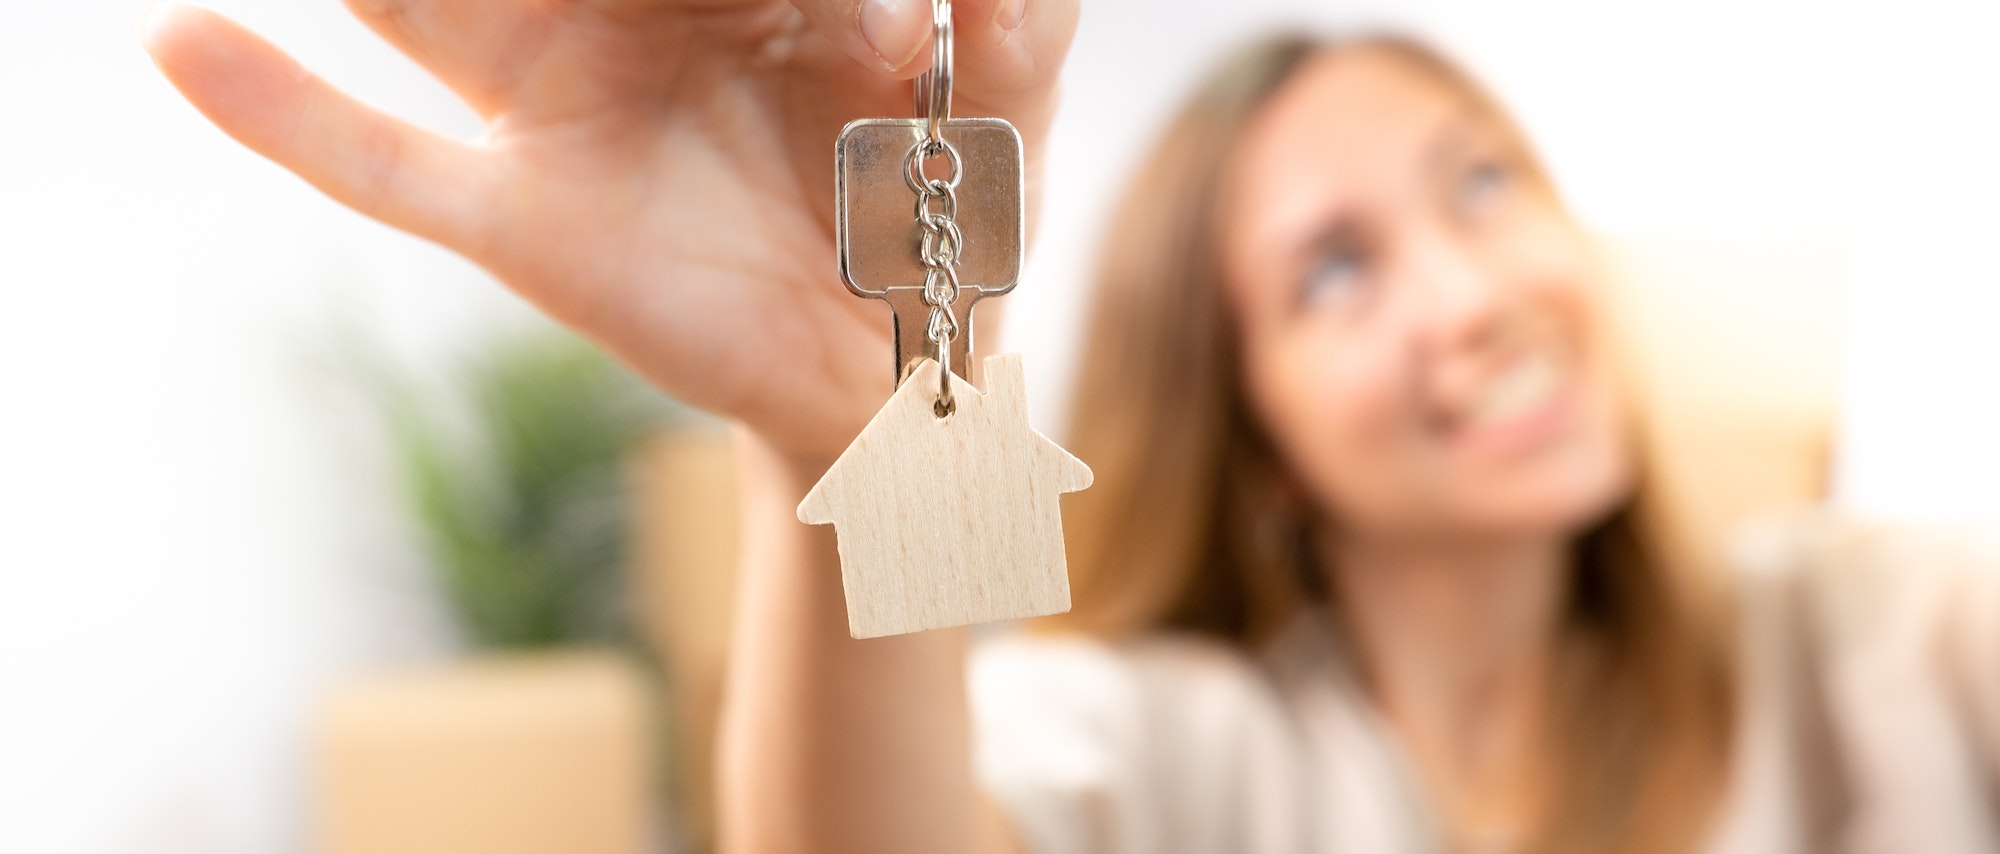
[933,88]
[944,404]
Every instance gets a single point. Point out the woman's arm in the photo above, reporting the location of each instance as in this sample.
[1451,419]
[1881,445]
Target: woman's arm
[829,743]
[658,175]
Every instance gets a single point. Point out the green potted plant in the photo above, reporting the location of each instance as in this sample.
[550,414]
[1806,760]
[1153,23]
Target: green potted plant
[541,738]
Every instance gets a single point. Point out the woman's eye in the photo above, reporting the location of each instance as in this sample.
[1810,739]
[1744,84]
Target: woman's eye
[1333,275]
[1483,187]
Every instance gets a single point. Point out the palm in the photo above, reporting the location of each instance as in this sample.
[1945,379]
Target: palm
[657,175]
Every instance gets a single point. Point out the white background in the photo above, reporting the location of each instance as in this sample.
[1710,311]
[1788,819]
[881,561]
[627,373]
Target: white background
[196,531]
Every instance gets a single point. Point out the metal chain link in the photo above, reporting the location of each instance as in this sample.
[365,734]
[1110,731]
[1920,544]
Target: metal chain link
[942,245]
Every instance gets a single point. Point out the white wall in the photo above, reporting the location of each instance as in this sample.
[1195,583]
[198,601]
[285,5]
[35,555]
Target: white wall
[193,538]
[188,549]
[1707,117]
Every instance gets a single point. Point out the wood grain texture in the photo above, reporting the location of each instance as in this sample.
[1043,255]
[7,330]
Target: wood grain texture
[949,521]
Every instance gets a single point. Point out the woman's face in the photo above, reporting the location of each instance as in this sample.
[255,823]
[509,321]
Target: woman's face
[1418,333]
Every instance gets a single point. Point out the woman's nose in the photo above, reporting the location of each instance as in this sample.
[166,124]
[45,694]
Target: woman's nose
[1461,298]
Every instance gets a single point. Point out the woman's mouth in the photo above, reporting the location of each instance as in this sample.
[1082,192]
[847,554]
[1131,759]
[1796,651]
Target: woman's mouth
[1516,410]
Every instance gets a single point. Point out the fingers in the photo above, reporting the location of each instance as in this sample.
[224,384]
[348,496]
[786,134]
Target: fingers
[886,35]
[477,47]
[388,170]
[1008,52]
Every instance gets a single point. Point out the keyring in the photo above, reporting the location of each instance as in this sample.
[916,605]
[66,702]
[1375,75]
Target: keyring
[933,88]
[944,405]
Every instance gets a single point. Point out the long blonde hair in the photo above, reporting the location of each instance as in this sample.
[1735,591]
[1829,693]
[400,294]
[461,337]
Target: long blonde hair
[1186,527]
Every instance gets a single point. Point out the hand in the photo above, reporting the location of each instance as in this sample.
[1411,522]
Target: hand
[657,174]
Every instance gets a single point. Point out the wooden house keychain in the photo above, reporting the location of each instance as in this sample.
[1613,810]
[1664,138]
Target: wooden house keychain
[945,507]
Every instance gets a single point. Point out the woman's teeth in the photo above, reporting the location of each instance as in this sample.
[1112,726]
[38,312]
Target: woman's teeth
[1523,389]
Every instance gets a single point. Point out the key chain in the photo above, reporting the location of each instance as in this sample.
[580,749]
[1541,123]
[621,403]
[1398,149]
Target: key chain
[945,507]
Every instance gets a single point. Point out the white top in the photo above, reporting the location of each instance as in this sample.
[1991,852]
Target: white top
[1870,721]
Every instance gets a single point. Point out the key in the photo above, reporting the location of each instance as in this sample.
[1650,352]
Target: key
[880,238]
[945,506]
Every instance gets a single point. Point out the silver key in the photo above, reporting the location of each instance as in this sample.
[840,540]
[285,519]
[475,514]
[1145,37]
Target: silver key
[880,238]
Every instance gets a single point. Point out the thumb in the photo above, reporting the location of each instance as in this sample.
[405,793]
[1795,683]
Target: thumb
[1009,51]
[886,35]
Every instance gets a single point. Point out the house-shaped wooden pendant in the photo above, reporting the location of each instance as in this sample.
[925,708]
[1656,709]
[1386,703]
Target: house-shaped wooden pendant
[949,521]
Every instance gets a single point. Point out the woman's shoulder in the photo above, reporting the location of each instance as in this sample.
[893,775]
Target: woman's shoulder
[1859,583]
[1876,602]
[1872,672]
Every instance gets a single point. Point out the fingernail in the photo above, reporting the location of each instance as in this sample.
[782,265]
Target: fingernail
[895,30]
[1010,14]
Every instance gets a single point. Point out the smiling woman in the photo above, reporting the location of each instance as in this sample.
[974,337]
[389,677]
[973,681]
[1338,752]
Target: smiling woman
[1364,570]
[1373,356]
[1366,567]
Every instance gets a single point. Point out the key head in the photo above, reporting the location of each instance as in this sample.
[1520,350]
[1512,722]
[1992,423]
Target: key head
[875,220]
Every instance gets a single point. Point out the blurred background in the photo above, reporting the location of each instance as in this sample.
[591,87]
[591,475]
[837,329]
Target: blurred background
[312,537]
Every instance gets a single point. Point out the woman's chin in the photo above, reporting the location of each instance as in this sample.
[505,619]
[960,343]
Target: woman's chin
[1554,500]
